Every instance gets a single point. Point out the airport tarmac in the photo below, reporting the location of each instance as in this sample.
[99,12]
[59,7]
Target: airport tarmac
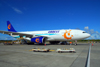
[23,56]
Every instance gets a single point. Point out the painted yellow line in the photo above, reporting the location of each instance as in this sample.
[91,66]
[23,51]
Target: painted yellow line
[52,50]
[30,50]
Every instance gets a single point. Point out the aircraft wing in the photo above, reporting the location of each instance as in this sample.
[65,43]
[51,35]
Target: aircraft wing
[16,33]
[11,31]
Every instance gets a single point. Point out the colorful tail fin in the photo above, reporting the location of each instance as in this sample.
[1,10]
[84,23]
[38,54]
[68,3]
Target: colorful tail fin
[10,27]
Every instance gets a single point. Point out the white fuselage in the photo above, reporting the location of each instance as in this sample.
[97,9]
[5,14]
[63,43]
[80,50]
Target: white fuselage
[58,35]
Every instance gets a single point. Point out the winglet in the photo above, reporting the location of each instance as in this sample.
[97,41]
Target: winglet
[10,27]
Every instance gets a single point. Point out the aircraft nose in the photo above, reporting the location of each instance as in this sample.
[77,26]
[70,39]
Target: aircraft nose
[88,35]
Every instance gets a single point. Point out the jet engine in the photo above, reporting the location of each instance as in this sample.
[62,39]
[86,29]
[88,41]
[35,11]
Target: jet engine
[38,40]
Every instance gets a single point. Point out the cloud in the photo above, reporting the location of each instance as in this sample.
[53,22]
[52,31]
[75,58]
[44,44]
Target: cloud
[92,31]
[10,38]
[17,10]
[94,34]
[6,38]
[86,28]
[14,8]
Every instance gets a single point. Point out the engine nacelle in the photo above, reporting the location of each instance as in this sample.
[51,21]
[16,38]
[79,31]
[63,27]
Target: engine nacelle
[38,40]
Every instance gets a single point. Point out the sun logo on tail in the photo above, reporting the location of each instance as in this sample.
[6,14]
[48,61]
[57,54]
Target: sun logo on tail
[67,35]
[37,40]
[9,26]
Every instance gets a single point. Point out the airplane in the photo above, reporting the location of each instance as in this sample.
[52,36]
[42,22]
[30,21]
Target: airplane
[53,36]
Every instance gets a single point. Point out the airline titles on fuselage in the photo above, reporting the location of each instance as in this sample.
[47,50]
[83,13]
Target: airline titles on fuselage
[57,31]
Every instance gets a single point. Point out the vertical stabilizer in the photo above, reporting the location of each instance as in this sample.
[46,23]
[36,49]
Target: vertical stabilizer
[10,27]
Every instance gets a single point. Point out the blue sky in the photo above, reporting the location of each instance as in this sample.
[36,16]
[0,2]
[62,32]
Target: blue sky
[32,15]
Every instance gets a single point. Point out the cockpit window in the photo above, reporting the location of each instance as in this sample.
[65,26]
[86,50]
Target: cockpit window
[84,32]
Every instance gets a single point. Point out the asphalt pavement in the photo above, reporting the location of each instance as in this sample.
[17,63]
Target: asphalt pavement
[22,56]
